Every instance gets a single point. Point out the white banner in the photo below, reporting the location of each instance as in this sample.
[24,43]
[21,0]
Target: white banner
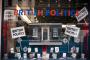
[18,32]
[82,14]
[9,14]
[72,31]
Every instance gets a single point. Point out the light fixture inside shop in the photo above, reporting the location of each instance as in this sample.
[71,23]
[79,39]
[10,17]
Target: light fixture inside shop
[23,17]
[64,26]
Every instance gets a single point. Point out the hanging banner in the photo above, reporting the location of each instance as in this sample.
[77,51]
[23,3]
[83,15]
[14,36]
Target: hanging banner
[72,31]
[18,32]
[82,14]
[9,15]
[47,12]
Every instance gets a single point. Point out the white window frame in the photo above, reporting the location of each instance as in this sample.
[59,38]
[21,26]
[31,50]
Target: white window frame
[55,32]
[48,35]
[35,32]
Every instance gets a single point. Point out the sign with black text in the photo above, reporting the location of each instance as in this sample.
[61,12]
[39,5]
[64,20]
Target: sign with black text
[18,32]
[82,14]
[9,15]
[56,49]
[72,31]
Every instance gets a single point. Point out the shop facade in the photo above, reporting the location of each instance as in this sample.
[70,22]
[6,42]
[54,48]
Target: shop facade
[44,30]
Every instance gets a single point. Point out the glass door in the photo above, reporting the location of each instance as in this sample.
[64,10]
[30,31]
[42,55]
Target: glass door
[45,34]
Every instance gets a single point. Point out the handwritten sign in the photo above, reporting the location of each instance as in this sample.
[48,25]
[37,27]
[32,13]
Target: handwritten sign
[9,14]
[56,49]
[72,31]
[82,14]
[18,32]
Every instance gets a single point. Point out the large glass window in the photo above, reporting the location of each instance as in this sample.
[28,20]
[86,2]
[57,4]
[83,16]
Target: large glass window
[55,32]
[35,32]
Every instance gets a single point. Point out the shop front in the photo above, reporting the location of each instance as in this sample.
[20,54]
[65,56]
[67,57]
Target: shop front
[40,29]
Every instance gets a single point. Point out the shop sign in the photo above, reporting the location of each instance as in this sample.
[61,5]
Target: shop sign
[72,31]
[82,14]
[18,32]
[48,12]
[9,15]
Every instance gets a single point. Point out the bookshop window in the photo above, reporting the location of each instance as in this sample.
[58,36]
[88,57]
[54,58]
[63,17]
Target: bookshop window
[35,32]
[55,32]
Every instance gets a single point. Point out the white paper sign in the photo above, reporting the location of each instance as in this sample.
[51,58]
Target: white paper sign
[51,50]
[82,14]
[38,55]
[12,50]
[77,49]
[64,55]
[47,56]
[36,49]
[73,55]
[29,50]
[18,55]
[72,31]
[18,32]
[9,14]
[25,55]
[56,49]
